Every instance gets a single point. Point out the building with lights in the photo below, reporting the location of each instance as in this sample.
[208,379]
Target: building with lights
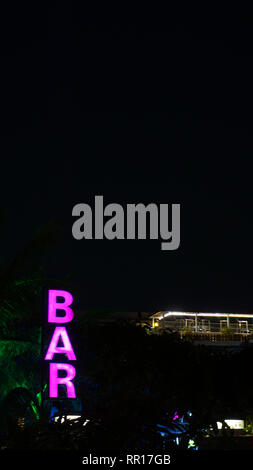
[205,327]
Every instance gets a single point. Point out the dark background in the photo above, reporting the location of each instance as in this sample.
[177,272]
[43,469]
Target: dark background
[137,106]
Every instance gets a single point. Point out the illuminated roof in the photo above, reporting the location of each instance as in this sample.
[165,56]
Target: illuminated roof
[164,314]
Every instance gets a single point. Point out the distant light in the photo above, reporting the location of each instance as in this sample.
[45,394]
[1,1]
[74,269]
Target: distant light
[69,418]
[191,443]
[177,441]
[232,423]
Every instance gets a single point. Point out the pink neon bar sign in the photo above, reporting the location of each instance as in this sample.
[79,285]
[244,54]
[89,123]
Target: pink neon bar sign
[60,332]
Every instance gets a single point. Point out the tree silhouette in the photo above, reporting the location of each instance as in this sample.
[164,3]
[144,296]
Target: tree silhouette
[21,285]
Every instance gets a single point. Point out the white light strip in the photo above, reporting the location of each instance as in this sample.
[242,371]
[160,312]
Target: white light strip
[241,315]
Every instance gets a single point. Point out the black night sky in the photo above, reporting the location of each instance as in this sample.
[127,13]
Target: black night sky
[155,107]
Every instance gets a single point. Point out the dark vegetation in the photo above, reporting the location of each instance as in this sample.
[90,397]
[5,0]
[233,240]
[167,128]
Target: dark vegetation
[128,380]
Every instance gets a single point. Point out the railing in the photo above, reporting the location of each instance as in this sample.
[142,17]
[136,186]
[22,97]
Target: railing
[207,331]
[216,337]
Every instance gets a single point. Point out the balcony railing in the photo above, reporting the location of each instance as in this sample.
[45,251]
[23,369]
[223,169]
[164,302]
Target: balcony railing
[217,337]
[214,331]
